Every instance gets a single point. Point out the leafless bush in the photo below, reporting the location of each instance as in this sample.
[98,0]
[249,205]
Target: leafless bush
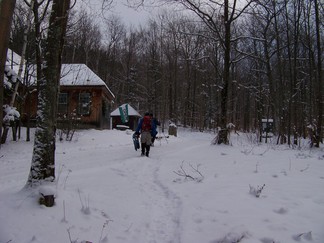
[252,138]
[247,150]
[268,240]
[306,168]
[305,235]
[196,176]
[232,238]
[68,125]
[59,176]
[256,191]
[85,206]
[63,220]
[102,230]
[256,167]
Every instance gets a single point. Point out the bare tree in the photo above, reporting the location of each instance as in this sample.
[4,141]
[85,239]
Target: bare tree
[319,74]
[6,13]
[43,161]
[189,53]
[171,46]
[152,66]
[20,73]
[220,24]
[83,38]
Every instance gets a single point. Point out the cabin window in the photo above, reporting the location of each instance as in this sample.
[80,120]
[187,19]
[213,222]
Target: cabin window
[62,103]
[84,103]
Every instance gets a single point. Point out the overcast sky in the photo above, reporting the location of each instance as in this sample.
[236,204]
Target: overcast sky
[130,16]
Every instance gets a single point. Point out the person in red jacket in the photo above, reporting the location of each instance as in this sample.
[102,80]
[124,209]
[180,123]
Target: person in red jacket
[146,128]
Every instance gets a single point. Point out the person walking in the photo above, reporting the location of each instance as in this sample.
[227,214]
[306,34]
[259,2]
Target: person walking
[156,124]
[146,128]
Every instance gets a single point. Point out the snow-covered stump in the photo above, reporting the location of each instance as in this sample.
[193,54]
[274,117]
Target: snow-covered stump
[172,130]
[47,196]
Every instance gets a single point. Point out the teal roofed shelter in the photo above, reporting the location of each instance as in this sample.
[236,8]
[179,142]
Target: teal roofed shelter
[117,121]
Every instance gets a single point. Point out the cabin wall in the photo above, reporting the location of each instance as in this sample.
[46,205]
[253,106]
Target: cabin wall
[99,108]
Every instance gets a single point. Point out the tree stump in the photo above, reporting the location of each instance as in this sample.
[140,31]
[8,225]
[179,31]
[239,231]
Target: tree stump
[47,200]
[47,195]
[223,137]
[173,130]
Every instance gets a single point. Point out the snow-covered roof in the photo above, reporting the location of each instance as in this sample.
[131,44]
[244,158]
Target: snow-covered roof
[12,68]
[80,75]
[13,61]
[131,111]
[71,74]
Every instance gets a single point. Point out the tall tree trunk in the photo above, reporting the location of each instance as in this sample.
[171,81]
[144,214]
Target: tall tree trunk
[290,72]
[280,96]
[223,133]
[6,13]
[319,77]
[43,160]
[310,99]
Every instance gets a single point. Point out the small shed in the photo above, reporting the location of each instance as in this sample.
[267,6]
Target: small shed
[116,119]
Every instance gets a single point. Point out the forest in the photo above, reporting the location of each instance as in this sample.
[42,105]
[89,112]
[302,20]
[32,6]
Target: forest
[211,68]
[213,64]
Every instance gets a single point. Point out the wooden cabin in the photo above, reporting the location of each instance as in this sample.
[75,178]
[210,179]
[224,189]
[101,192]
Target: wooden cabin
[84,98]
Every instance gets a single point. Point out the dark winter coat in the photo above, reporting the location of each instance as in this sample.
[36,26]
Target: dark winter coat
[153,127]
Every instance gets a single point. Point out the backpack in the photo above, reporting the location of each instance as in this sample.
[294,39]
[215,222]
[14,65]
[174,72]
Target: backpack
[146,125]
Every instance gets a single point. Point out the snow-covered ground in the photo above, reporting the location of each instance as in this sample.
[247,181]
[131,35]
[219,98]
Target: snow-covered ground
[106,192]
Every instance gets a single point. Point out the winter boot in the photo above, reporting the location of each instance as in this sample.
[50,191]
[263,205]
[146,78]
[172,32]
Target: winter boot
[147,150]
[143,149]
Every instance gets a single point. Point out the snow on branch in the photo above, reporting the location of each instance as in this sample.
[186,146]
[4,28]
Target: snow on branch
[11,114]
[10,77]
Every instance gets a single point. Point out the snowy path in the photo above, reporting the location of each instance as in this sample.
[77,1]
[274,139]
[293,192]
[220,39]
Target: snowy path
[154,210]
[161,206]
